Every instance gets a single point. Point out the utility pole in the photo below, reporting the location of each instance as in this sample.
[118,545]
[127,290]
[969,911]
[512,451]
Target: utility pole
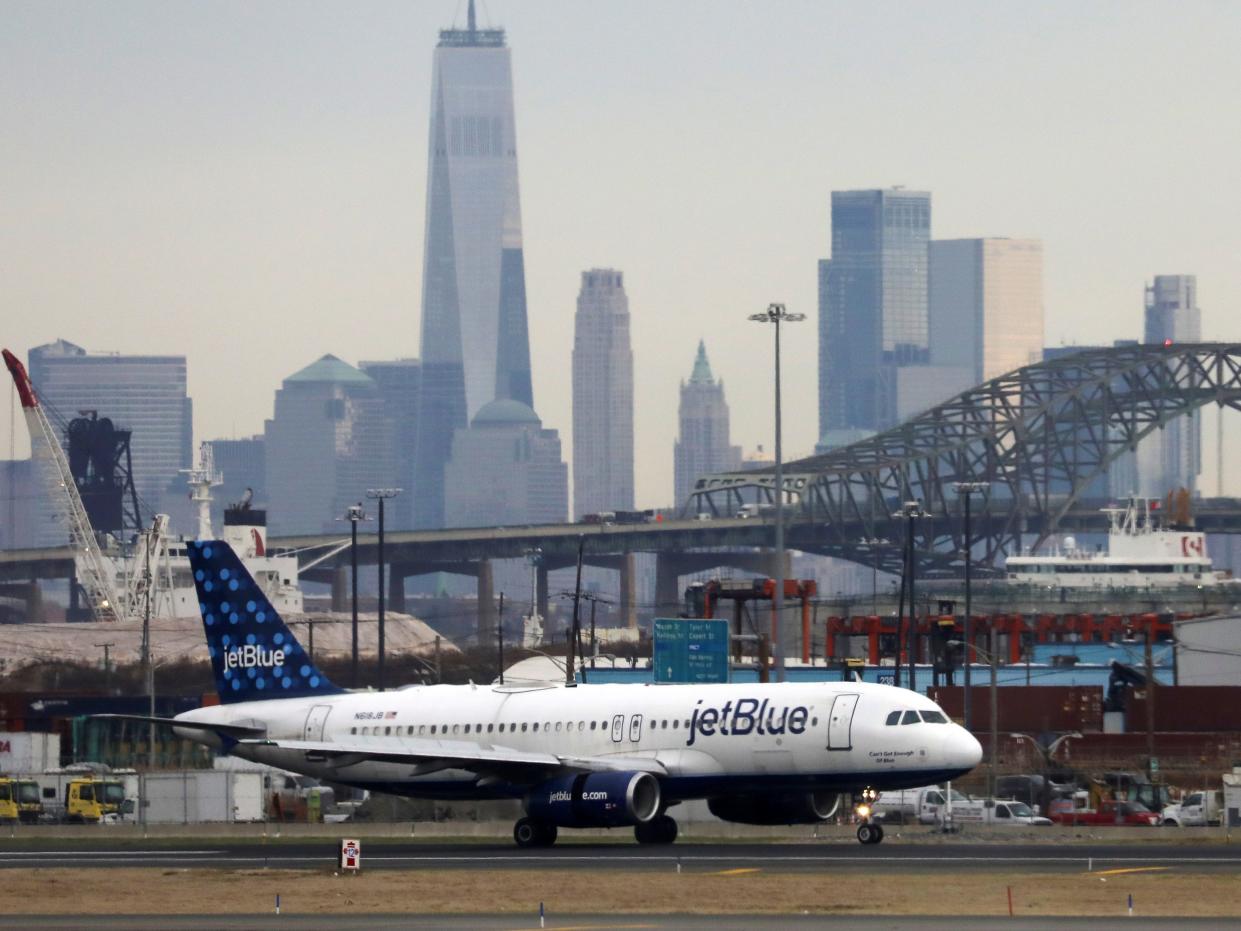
[107,666]
[381,495]
[966,491]
[354,514]
[1150,699]
[777,314]
[500,637]
[569,668]
[910,510]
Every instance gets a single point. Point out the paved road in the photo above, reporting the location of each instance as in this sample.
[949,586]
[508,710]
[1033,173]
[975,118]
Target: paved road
[598,922]
[687,856]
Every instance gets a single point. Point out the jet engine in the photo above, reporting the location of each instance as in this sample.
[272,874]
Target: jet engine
[780,808]
[595,800]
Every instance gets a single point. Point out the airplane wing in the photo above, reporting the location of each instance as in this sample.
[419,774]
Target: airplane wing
[233,731]
[428,756]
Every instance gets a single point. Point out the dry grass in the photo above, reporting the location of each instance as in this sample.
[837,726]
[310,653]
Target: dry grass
[1177,892]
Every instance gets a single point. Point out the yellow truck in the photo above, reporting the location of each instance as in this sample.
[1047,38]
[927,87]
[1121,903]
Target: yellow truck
[94,800]
[19,800]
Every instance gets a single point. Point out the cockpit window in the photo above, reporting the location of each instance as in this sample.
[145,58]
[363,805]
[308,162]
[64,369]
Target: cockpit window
[893,718]
[911,717]
[934,717]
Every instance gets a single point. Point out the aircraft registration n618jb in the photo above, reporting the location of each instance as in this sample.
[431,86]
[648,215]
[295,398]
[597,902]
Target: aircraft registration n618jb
[578,757]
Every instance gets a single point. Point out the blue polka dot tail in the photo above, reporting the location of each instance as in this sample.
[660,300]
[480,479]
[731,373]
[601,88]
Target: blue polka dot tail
[253,652]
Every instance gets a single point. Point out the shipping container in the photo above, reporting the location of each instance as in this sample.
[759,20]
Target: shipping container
[28,751]
[195,796]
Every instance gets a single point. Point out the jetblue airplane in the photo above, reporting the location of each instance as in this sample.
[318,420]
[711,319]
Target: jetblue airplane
[578,757]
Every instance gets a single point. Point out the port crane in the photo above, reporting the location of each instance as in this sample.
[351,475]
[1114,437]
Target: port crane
[45,449]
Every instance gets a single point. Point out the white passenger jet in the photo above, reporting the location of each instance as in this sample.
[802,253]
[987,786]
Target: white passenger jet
[577,756]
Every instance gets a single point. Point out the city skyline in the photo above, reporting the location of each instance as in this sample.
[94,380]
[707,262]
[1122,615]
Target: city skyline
[166,169]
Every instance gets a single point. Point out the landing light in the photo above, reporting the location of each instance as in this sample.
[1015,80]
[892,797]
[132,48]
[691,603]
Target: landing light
[863,811]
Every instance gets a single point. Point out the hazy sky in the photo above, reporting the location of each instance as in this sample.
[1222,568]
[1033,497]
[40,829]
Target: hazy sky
[245,182]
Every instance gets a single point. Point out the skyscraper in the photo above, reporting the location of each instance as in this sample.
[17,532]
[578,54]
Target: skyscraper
[872,307]
[1172,457]
[145,394]
[399,382]
[327,442]
[702,447]
[475,346]
[986,305]
[506,469]
[602,396]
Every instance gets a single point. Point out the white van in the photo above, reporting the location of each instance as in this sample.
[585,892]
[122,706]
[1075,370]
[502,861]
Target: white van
[924,805]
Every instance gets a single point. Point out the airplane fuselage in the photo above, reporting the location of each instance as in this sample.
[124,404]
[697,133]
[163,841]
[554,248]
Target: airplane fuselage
[709,739]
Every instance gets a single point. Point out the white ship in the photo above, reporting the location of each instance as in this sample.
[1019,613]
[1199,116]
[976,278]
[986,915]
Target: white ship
[170,583]
[1139,554]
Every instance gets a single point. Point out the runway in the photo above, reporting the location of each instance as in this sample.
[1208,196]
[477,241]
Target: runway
[587,922]
[808,857]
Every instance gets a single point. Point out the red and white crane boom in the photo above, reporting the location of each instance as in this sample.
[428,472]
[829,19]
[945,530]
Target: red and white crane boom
[94,569]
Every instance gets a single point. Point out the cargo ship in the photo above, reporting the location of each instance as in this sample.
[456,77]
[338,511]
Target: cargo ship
[1139,554]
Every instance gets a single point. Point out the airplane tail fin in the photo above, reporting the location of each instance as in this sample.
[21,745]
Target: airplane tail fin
[253,653]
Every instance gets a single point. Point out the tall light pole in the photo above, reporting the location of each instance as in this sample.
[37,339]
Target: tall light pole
[354,514]
[991,656]
[911,510]
[777,314]
[381,495]
[966,491]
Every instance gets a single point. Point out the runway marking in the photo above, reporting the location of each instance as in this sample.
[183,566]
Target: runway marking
[588,927]
[1131,869]
[111,853]
[739,871]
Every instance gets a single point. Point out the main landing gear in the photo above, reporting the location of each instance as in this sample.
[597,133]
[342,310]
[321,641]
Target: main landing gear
[662,829]
[530,833]
[868,832]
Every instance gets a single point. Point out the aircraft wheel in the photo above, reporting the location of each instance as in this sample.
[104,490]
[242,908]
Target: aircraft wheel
[530,833]
[661,829]
[868,833]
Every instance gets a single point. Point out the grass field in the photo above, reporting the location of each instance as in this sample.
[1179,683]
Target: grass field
[1162,892]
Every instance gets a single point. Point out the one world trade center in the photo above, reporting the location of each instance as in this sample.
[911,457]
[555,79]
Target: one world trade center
[475,346]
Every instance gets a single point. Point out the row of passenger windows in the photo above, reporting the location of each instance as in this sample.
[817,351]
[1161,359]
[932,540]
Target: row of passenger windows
[423,730]
[434,730]
[912,717]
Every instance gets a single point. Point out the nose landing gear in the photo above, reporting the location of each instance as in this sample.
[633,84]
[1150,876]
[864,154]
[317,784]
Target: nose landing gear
[869,831]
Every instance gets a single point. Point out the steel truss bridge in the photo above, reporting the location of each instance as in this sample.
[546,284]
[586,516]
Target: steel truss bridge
[1040,435]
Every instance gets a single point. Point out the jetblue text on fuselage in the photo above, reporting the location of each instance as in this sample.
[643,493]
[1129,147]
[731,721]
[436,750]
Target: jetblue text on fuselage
[746,716]
[252,655]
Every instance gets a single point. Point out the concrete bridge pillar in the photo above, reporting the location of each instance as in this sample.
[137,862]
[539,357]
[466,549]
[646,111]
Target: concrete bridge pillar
[34,603]
[396,587]
[628,589]
[486,603]
[340,589]
[667,591]
[541,591]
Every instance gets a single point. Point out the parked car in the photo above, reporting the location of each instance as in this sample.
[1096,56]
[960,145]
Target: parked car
[1108,812]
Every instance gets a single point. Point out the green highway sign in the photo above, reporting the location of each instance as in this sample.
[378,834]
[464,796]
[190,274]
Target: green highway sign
[690,650]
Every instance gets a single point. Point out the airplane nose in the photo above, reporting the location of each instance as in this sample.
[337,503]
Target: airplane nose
[965,749]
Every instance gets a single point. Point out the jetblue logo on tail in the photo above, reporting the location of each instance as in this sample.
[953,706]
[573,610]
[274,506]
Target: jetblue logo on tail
[252,656]
[253,652]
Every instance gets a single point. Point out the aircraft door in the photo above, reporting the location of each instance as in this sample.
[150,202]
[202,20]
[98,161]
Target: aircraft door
[315,721]
[618,728]
[840,722]
[635,728]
